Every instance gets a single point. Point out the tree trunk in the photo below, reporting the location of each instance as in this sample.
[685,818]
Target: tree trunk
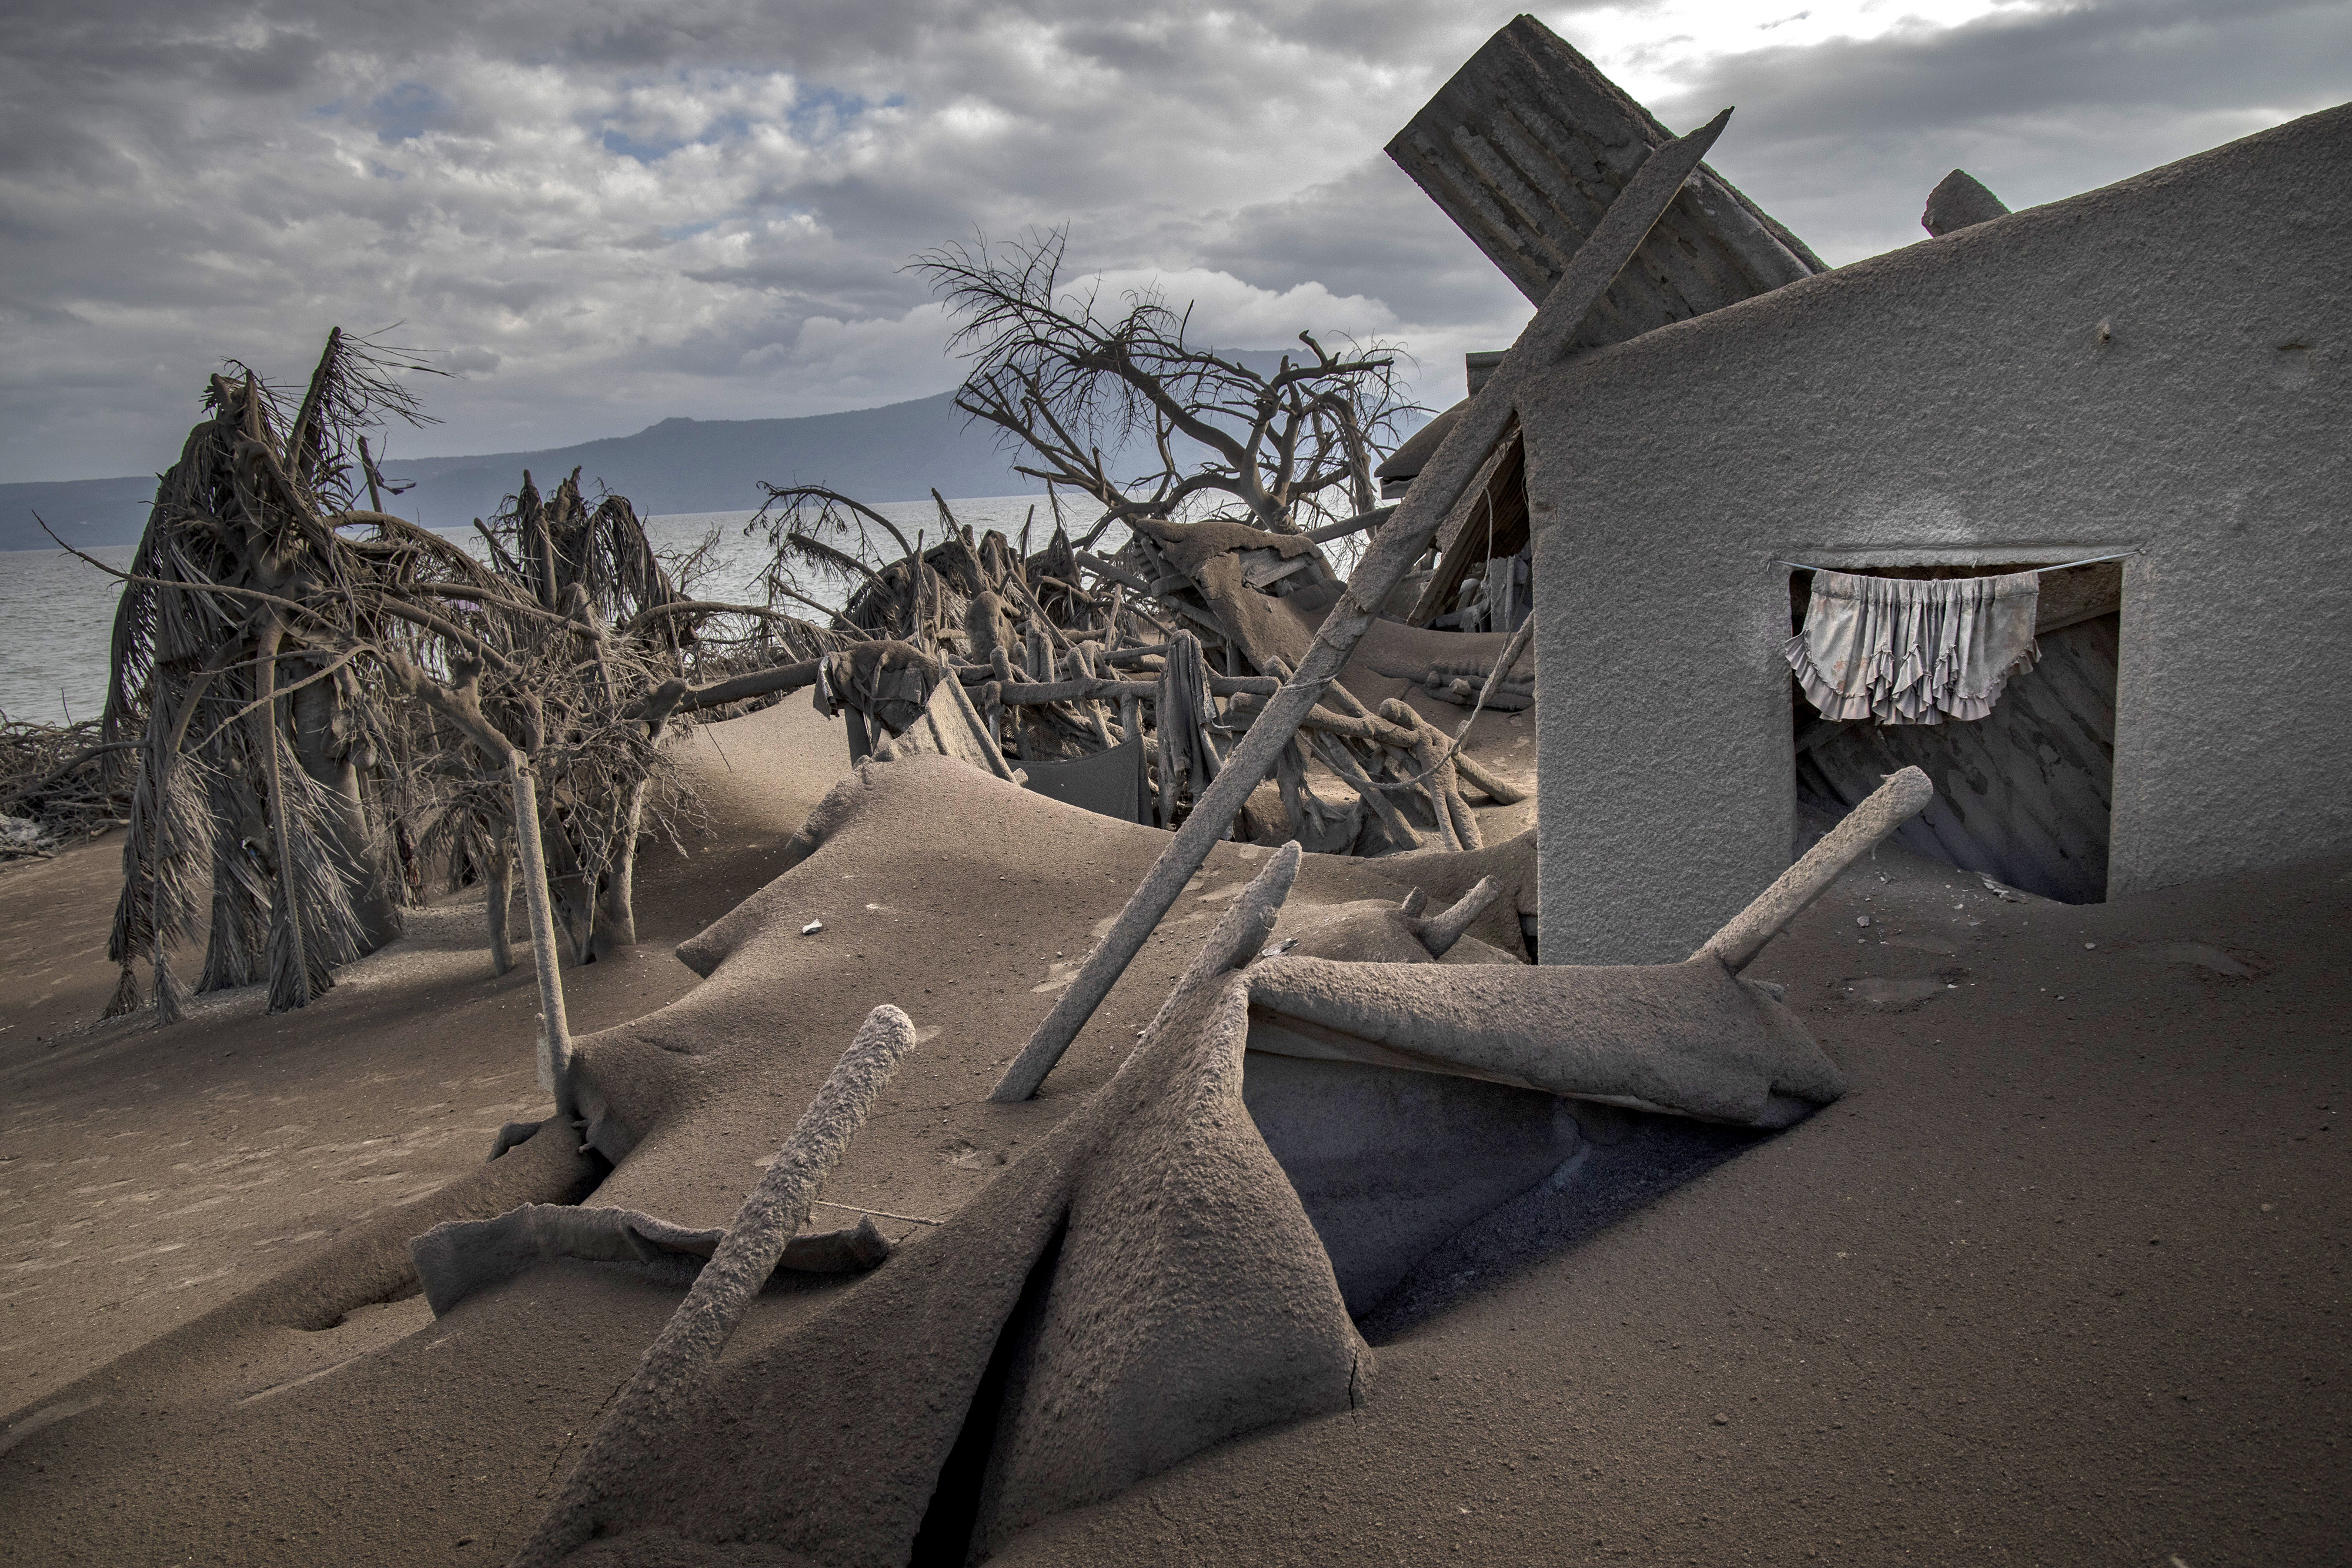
[617,915]
[290,961]
[325,755]
[573,885]
[234,950]
[499,878]
[554,1029]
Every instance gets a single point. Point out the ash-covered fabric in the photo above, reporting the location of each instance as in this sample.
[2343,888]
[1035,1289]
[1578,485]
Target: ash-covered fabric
[460,1257]
[1903,651]
[1111,783]
[1144,1282]
[947,727]
[1185,713]
[889,680]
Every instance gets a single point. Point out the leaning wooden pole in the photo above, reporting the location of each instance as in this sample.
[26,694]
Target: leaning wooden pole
[555,1031]
[1393,550]
[674,1369]
[1903,796]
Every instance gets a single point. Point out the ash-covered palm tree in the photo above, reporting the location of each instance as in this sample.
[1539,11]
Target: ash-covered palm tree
[232,663]
[326,701]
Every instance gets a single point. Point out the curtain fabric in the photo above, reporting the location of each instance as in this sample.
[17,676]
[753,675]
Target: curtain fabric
[1906,651]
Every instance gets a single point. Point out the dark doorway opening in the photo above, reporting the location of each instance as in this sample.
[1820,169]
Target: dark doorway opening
[2023,795]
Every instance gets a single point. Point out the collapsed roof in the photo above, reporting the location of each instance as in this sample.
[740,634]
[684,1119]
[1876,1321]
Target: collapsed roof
[1526,146]
[1523,148]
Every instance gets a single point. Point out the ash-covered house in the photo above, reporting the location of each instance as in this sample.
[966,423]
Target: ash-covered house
[2151,378]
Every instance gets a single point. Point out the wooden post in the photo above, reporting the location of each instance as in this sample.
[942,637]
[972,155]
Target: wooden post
[1903,796]
[674,1368]
[555,1031]
[1392,552]
[984,730]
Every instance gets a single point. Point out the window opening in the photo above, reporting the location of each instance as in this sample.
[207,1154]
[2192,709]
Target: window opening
[2023,795]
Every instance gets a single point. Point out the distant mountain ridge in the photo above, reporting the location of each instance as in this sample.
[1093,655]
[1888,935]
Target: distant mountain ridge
[898,452]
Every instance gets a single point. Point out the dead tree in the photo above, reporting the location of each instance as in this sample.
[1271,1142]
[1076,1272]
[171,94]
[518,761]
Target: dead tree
[1211,596]
[317,699]
[1243,474]
[1122,406]
[55,785]
[251,743]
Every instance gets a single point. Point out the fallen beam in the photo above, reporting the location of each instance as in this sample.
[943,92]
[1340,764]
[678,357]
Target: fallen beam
[674,695]
[1393,550]
[1383,733]
[1868,825]
[1355,525]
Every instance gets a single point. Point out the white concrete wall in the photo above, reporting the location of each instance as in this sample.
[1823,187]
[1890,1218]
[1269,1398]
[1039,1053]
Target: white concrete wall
[2114,371]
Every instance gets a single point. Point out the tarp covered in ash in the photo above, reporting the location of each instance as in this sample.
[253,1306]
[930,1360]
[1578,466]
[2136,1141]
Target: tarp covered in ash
[1110,783]
[1147,1282]
[1143,1285]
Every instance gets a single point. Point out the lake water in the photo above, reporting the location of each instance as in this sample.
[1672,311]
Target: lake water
[56,612]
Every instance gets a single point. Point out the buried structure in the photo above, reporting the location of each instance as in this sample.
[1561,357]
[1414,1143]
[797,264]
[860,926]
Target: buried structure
[2144,380]
[1245,1131]
[1179,1253]
[1179,1262]
[2124,408]
[1334,1086]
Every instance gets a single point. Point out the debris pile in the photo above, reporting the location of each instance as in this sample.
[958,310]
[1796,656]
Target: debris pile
[55,787]
[1159,629]
[1161,654]
[1184,1257]
[315,705]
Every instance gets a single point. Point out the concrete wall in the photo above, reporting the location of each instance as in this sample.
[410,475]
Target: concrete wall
[2161,366]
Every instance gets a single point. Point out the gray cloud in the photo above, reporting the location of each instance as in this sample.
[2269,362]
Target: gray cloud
[1844,140]
[612,212]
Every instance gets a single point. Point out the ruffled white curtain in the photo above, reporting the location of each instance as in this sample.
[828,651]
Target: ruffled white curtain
[1907,651]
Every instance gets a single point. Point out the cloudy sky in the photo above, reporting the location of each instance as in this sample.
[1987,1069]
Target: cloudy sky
[602,212]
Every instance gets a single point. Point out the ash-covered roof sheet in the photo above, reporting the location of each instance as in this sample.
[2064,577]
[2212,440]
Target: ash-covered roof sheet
[1525,148]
